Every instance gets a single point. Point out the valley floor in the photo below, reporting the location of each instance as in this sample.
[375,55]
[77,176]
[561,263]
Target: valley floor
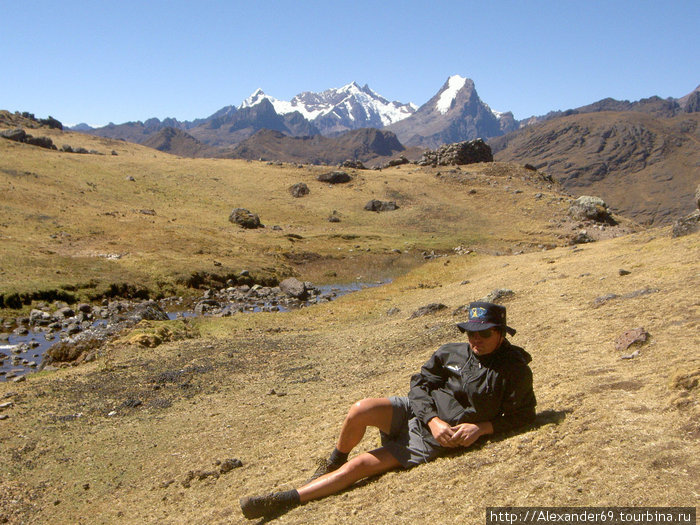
[114,441]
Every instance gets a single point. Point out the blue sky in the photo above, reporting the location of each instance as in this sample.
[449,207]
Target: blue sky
[96,62]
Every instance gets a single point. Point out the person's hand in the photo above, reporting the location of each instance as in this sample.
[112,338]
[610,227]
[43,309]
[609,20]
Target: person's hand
[442,432]
[465,434]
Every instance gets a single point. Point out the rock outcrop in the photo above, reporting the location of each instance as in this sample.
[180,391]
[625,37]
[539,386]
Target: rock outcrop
[458,153]
[19,135]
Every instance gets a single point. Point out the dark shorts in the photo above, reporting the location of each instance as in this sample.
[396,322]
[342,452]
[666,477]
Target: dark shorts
[405,441]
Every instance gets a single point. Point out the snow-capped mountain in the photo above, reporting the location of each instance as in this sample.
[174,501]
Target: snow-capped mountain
[339,109]
[454,114]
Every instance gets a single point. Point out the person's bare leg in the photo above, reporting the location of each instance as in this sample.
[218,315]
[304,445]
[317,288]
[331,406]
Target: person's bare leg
[362,466]
[369,412]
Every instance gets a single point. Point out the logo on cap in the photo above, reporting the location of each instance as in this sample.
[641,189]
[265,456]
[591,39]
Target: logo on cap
[477,313]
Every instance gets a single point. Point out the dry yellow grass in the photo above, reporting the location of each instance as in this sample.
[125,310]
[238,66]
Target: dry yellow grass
[75,222]
[609,432]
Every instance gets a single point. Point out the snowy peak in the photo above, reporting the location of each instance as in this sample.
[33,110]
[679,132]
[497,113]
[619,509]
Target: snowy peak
[448,94]
[339,109]
[256,98]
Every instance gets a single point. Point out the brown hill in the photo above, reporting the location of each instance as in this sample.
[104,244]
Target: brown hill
[178,142]
[642,165]
[366,145]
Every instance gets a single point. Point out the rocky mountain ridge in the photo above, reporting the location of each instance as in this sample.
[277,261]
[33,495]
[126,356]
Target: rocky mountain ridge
[455,113]
[461,116]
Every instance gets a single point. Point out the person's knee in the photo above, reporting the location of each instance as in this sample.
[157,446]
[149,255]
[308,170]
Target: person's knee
[360,466]
[360,408]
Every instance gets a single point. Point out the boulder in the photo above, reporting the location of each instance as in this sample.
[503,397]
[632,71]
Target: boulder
[244,218]
[589,208]
[299,189]
[42,142]
[396,162]
[427,310]
[458,153]
[686,225]
[498,295]
[334,177]
[377,205]
[581,237]
[149,311]
[18,135]
[354,164]
[294,288]
[635,336]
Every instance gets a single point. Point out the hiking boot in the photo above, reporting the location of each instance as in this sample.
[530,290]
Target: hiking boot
[324,467]
[268,505]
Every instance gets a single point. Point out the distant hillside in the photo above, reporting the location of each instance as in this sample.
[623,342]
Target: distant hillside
[362,144]
[178,142]
[642,165]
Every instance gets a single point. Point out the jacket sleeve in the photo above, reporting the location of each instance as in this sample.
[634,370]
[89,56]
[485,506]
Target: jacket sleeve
[518,405]
[431,376]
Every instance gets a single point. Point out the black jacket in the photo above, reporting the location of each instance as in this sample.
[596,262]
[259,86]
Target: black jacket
[458,386]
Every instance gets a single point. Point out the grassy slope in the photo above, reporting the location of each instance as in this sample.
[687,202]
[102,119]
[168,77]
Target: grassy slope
[62,215]
[610,431]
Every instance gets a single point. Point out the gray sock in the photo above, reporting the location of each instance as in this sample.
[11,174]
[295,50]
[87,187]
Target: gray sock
[337,457]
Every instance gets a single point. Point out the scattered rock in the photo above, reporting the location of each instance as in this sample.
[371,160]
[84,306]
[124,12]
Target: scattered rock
[377,205]
[461,310]
[149,311]
[428,309]
[396,162]
[299,189]
[630,356]
[581,237]
[392,311]
[334,177]
[686,225]
[458,153]
[229,464]
[294,288]
[600,301]
[353,164]
[637,336]
[244,218]
[498,295]
[588,208]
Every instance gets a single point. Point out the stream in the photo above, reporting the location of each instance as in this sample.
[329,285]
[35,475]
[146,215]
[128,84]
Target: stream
[22,351]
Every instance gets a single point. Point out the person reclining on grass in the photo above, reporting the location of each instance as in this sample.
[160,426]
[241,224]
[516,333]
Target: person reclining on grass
[464,391]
